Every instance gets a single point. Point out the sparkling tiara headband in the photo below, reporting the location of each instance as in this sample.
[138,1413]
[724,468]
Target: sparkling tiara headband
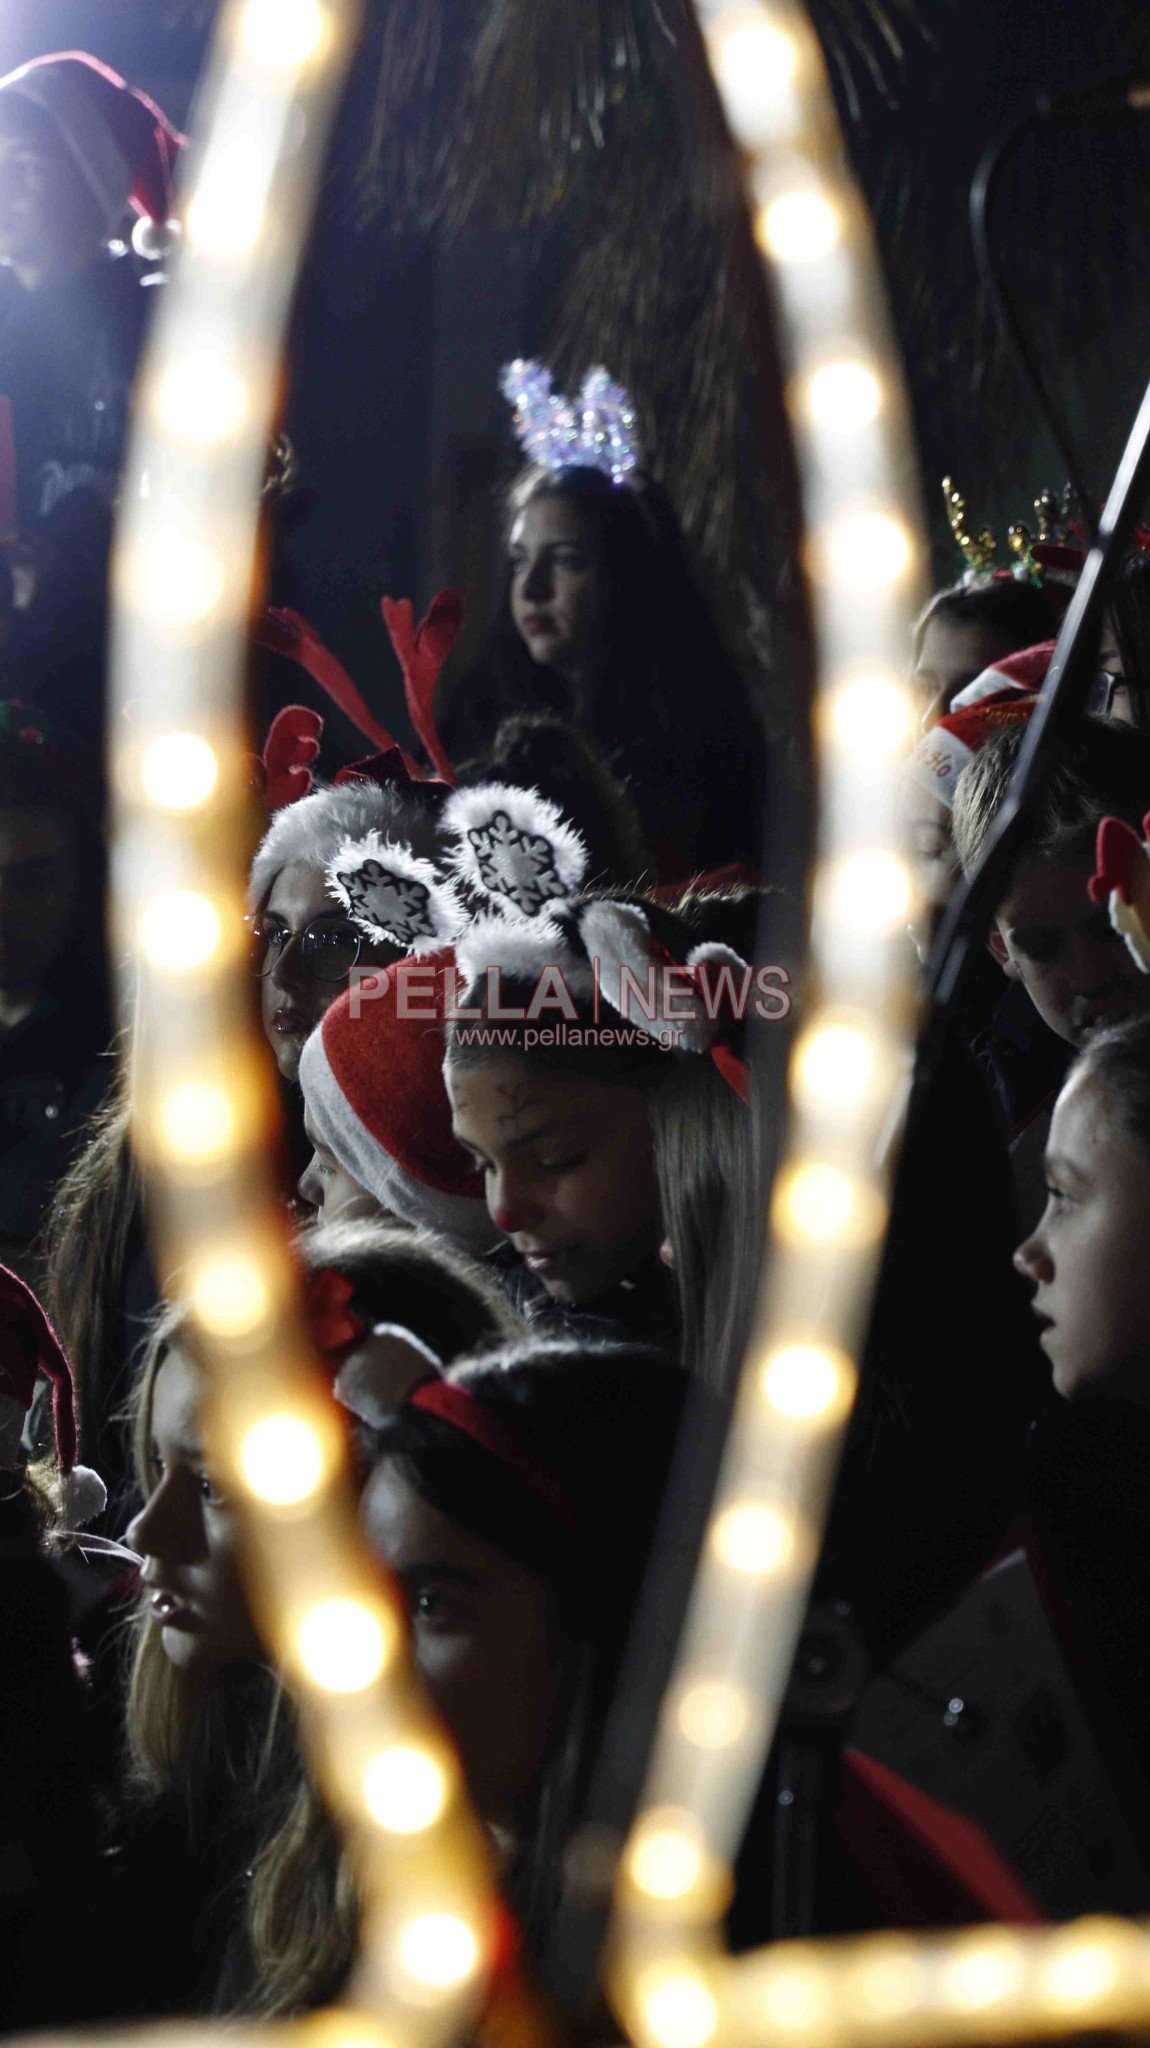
[595,430]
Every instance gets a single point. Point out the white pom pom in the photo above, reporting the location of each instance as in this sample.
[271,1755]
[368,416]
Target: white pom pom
[154,239]
[84,1496]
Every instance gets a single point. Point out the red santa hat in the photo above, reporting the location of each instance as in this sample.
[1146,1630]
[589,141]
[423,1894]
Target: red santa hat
[123,144]
[372,1077]
[29,1346]
[1003,695]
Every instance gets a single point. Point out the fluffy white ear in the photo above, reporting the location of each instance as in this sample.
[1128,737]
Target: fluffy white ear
[513,846]
[84,1496]
[371,1384]
[394,896]
[723,980]
[617,935]
[518,947]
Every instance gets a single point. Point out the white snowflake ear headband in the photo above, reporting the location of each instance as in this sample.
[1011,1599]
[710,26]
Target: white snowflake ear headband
[513,848]
[595,430]
[1122,882]
[394,896]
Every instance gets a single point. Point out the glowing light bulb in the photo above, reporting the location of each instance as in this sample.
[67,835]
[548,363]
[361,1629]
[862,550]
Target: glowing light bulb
[842,397]
[678,2008]
[226,214]
[795,1998]
[871,718]
[871,891]
[835,1066]
[405,1789]
[177,580]
[756,65]
[807,1383]
[818,1204]
[283,33]
[798,227]
[179,771]
[180,930]
[866,550]
[1080,1971]
[666,1858]
[229,1295]
[983,1974]
[713,1715]
[885,1986]
[197,1121]
[202,399]
[282,1460]
[753,1538]
[439,1951]
[342,1645]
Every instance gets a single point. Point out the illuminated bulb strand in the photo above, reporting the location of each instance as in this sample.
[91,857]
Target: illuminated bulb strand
[672,1986]
[184,562]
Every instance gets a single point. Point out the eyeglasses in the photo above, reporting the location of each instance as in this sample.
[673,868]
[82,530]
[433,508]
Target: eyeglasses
[1107,684]
[328,947]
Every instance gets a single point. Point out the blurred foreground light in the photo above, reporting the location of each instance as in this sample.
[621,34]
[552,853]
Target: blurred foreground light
[229,1295]
[799,227]
[1081,1969]
[818,1204]
[342,1645]
[202,398]
[885,1986]
[198,1122]
[843,396]
[282,1460]
[756,64]
[439,1951]
[834,1066]
[678,2008]
[179,771]
[226,214]
[666,1858]
[870,891]
[283,33]
[405,1788]
[180,930]
[866,550]
[753,1538]
[871,717]
[176,579]
[983,1972]
[713,1715]
[795,1998]
[806,1383]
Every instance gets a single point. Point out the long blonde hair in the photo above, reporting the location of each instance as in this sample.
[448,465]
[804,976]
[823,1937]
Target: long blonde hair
[301,1909]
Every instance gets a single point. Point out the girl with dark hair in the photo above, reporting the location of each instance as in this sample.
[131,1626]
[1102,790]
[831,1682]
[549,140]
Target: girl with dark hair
[516,1499]
[603,622]
[969,627]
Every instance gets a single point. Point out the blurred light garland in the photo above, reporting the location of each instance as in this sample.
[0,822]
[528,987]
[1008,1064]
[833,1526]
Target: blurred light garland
[205,1113]
[205,1116]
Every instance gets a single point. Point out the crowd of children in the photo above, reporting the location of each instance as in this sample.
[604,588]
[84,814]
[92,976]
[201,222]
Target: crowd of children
[519,994]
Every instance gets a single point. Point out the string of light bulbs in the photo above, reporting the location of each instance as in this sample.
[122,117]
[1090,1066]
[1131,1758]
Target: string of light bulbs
[205,1118]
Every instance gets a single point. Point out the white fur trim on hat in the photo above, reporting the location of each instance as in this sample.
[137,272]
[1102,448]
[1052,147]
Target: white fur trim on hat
[386,1181]
[315,828]
[937,762]
[393,895]
[514,846]
[521,949]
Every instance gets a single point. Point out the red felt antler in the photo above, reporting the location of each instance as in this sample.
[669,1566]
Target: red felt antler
[288,633]
[1119,855]
[292,742]
[421,652]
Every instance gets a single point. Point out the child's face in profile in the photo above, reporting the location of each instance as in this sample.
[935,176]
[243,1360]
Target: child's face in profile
[1062,948]
[568,1167]
[1087,1258]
